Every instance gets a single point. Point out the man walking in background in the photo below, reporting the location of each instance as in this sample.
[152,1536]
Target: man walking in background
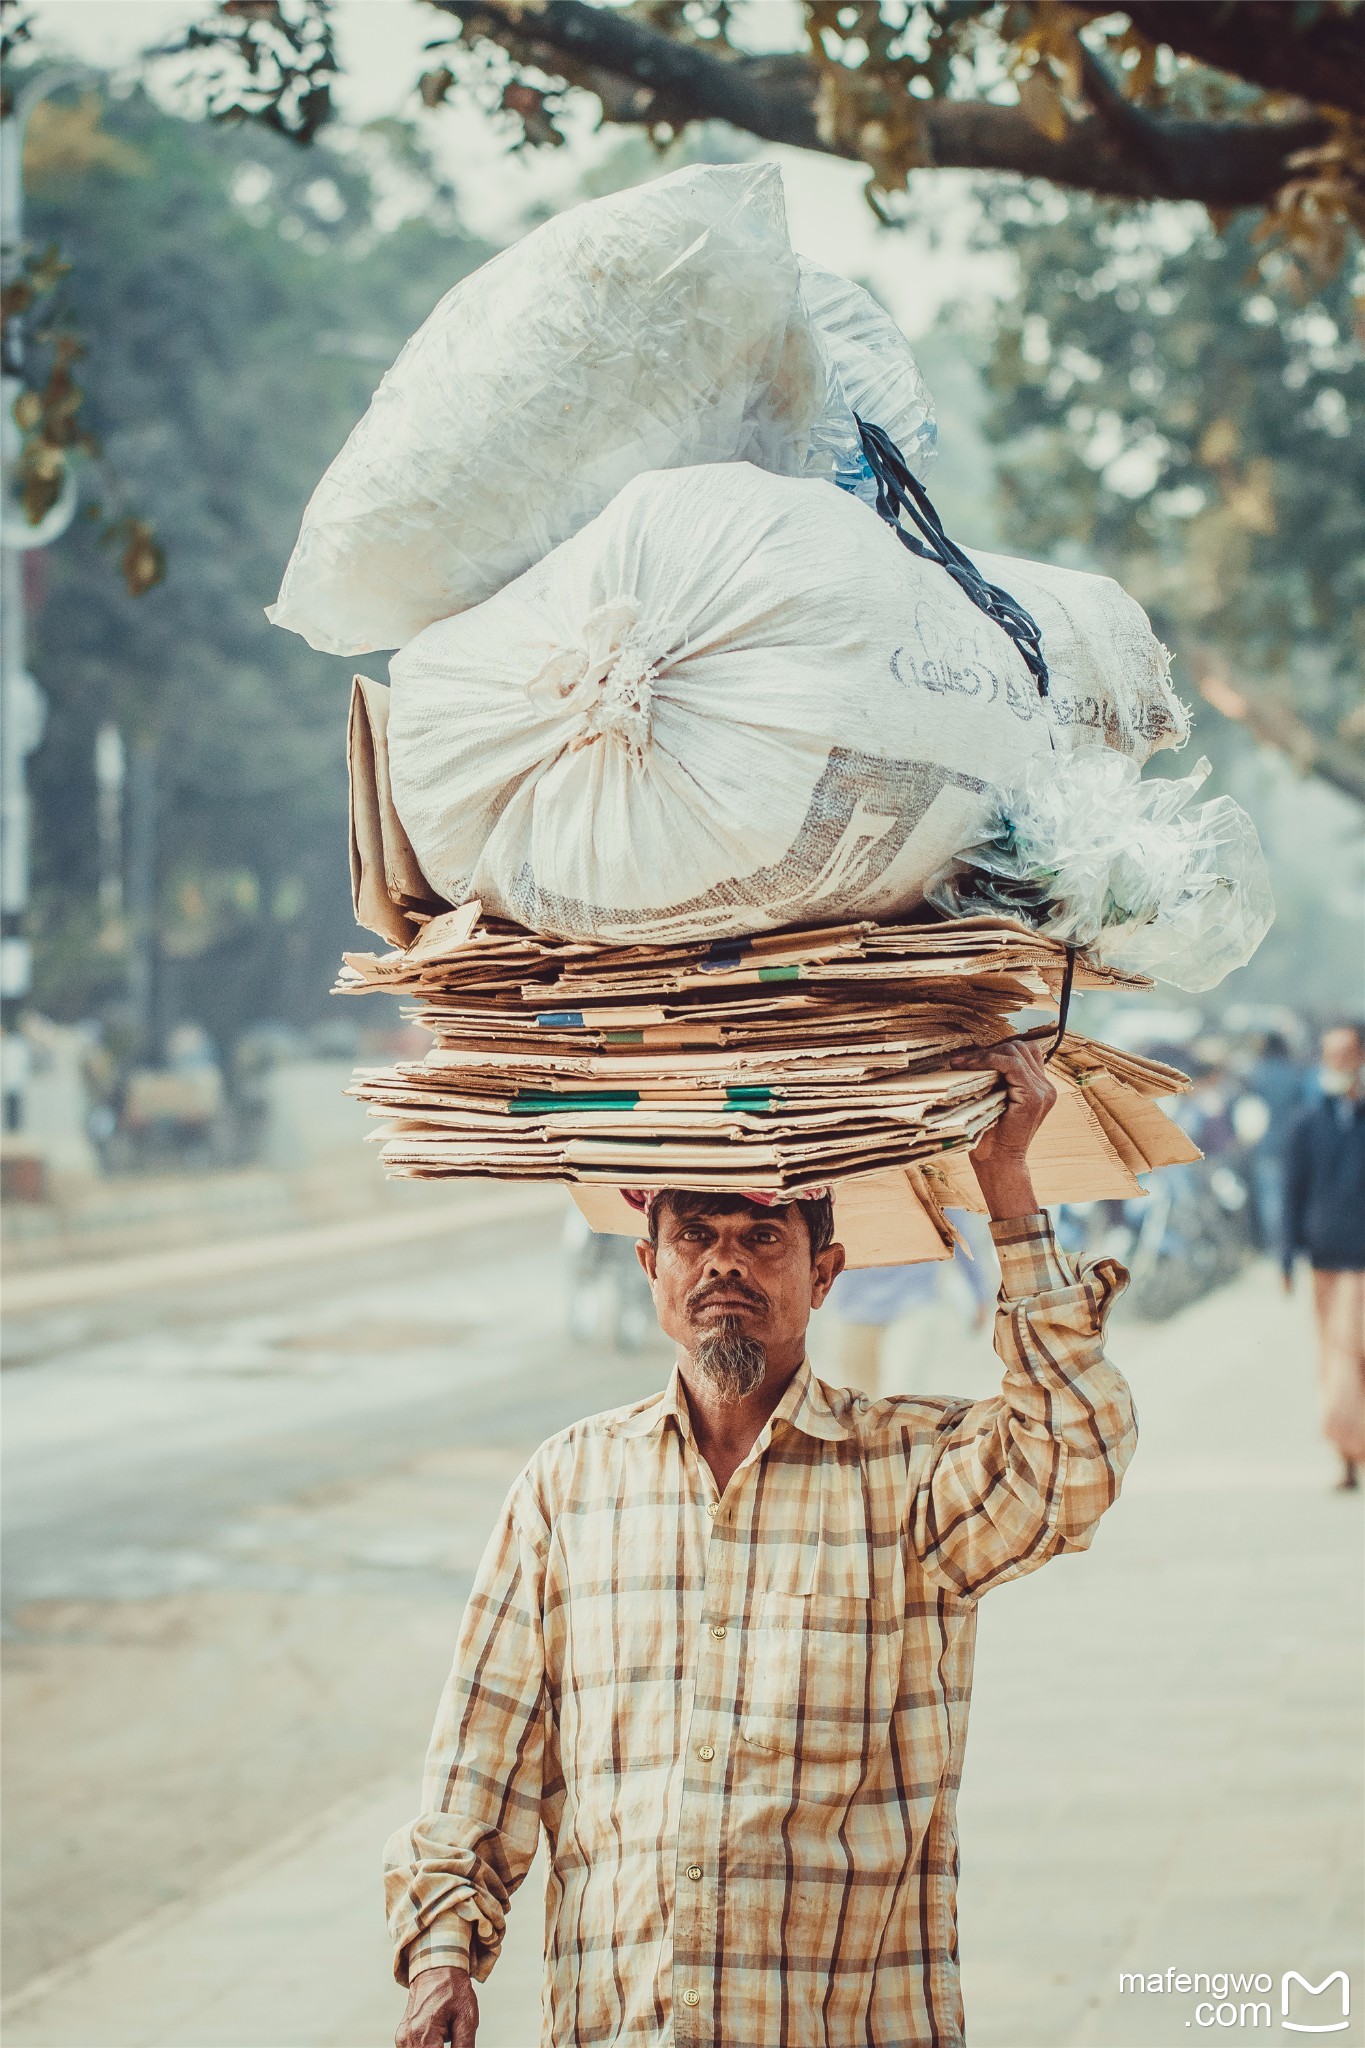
[1278,1086]
[721,1646]
[1324,1216]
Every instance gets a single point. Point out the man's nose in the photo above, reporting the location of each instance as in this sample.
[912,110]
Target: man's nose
[725,1262]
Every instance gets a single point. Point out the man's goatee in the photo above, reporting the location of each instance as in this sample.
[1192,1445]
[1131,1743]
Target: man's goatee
[733,1363]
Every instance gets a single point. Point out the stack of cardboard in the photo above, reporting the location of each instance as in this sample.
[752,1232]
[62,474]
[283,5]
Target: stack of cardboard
[782,1061]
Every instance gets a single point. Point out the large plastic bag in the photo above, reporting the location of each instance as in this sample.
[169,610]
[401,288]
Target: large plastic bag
[656,328]
[732,701]
[653,328]
[1080,847]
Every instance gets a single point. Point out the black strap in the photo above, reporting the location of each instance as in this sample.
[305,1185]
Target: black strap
[1063,1003]
[1057,1032]
[899,492]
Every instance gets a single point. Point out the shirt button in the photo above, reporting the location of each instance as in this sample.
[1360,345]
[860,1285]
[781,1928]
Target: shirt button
[718,1630]
[694,1872]
[713,1508]
[691,1998]
[705,1752]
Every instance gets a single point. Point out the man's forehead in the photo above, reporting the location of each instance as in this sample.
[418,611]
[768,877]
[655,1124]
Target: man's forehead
[726,1215]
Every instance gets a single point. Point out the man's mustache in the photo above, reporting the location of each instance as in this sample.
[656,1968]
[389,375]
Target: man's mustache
[729,1288]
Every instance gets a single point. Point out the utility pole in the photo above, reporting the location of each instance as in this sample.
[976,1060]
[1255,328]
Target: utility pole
[144,991]
[22,706]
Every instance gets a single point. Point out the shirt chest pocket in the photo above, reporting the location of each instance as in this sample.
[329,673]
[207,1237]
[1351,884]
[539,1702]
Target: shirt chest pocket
[822,1666]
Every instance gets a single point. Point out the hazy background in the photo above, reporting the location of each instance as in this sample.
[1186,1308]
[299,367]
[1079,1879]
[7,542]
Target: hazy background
[261,1408]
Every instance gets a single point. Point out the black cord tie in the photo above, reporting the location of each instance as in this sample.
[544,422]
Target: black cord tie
[899,492]
[1063,1003]
[1040,1031]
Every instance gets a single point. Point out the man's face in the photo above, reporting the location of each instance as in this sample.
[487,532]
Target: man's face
[751,1273]
[1342,1052]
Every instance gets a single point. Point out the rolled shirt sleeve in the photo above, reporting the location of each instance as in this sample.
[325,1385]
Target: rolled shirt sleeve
[1017,1479]
[449,1878]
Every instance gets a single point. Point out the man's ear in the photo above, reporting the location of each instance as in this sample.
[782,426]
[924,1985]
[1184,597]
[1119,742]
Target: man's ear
[648,1256]
[827,1267]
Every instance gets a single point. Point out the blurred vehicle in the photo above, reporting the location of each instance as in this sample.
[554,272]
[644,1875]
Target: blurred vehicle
[1196,1227]
[1190,1235]
[177,1114]
[172,1112]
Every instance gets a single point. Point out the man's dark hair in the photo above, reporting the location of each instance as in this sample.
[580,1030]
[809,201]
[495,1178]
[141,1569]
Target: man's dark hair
[688,1202]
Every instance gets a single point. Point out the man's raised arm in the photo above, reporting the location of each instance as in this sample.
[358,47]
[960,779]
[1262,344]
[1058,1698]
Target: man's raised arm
[1014,1480]
[449,1877]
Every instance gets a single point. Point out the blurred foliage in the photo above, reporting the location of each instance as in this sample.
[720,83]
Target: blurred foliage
[1137,79]
[241,304]
[1200,440]
[264,62]
[1246,103]
[16,29]
[55,443]
[60,141]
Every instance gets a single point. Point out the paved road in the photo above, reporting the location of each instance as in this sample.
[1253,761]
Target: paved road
[241,1520]
[142,1427]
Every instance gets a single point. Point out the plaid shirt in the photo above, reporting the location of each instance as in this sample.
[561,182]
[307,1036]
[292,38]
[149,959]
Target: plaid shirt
[741,1720]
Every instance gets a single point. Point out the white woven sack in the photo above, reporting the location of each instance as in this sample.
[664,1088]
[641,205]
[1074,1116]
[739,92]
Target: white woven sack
[1110,675]
[732,701]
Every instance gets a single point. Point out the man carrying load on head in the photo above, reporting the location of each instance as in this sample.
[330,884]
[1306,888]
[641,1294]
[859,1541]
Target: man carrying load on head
[721,1648]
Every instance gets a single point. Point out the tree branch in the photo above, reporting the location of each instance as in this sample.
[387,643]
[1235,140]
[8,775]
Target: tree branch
[1221,164]
[676,82]
[646,78]
[1269,718]
[1260,41]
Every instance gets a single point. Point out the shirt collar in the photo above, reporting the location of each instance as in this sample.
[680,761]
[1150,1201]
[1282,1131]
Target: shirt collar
[804,1404]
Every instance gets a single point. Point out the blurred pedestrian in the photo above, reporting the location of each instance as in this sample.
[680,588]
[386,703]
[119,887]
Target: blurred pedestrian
[868,1300]
[1324,1216]
[1276,1081]
[1208,1108]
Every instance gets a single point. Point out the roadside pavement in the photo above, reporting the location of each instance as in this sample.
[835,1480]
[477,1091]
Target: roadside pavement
[1162,1774]
[71,1283]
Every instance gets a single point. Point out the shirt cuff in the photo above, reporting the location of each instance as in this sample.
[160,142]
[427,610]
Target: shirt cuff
[447,1944]
[1030,1260]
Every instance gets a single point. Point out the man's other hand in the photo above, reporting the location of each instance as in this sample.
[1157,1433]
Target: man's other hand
[441,2009]
[1000,1156]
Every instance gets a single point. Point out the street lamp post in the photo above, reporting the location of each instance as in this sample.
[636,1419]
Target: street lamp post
[22,706]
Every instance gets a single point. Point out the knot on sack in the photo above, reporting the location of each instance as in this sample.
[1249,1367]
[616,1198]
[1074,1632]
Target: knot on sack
[605,685]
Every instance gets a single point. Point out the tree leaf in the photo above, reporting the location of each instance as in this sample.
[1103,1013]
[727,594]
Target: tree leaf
[1041,103]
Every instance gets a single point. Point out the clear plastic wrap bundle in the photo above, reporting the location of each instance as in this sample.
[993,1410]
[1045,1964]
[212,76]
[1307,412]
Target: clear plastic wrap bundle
[1085,850]
[876,378]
